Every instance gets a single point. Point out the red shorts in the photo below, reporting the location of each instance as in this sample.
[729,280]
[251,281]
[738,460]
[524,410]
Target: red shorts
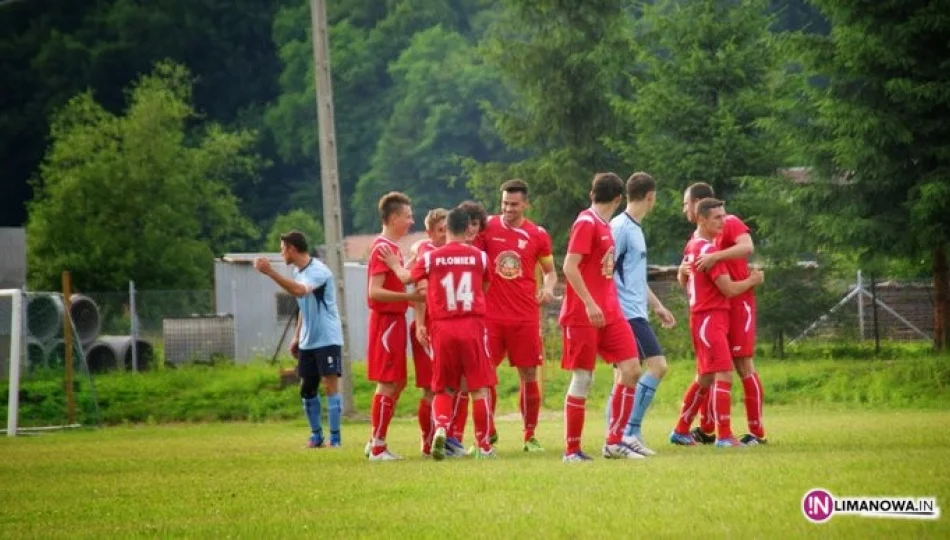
[421,359]
[710,330]
[386,354]
[460,349]
[519,341]
[742,326]
[614,343]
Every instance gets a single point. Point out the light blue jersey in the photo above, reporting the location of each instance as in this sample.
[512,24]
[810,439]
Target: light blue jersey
[630,268]
[320,321]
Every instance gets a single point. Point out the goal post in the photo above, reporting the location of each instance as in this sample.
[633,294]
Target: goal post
[43,367]
[16,343]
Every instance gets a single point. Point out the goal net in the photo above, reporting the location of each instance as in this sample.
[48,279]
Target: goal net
[33,371]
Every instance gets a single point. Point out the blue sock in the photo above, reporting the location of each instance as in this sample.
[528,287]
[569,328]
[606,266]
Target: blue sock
[311,408]
[334,412]
[646,389]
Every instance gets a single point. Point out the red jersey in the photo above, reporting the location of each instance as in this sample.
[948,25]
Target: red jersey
[513,253]
[456,272]
[732,229]
[701,287]
[391,282]
[591,237]
[424,247]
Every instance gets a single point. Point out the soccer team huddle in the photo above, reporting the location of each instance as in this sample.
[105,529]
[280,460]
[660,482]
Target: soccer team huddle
[476,301]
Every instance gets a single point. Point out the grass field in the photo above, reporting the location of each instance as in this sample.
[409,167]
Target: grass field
[257,480]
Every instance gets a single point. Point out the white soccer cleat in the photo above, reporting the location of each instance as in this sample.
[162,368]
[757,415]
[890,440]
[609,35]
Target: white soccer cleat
[368,449]
[620,451]
[438,445]
[385,455]
[637,446]
[485,454]
[577,457]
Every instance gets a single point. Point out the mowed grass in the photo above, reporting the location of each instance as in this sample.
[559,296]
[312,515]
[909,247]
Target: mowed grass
[258,481]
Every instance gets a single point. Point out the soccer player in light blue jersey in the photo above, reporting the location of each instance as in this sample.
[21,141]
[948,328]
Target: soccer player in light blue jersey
[318,338]
[630,277]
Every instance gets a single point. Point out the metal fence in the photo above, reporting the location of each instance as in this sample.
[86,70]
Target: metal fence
[133,329]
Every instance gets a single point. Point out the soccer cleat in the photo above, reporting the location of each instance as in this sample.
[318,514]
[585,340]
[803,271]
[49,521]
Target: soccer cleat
[368,449]
[637,446]
[485,454]
[577,457]
[315,441]
[454,448]
[335,440]
[532,445]
[702,437]
[682,439]
[619,451]
[438,445]
[385,455]
[728,442]
[751,440]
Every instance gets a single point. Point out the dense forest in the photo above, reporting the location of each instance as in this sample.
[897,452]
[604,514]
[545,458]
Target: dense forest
[141,139]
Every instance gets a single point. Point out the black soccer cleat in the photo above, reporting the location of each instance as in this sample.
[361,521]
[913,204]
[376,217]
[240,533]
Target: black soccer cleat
[702,437]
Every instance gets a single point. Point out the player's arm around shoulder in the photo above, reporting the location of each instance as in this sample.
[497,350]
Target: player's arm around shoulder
[731,288]
[742,249]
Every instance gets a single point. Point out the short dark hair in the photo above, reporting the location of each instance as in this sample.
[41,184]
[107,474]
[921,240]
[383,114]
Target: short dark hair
[515,185]
[457,221]
[296,240]
[606,187]
[700,191]
[704,206]
[390,203]
[638,185]
[476,211]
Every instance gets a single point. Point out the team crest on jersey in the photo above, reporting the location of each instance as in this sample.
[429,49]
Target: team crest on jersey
[508,265]
[522,244]
[607,263]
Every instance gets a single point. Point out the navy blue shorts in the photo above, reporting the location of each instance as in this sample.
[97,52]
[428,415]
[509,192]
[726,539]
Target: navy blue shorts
[320,362]
[647,344]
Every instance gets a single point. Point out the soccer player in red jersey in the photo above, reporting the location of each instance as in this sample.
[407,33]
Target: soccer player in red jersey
[418,328]
[388,302]
[454,278]
[454,447]
[593,323]
[515,246]
[709,293]
[734,246]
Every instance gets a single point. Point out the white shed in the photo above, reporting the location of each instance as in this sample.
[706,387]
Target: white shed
[261,309]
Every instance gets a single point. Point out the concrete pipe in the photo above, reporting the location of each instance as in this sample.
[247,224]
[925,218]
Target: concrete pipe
[101,357]
[115,352]
[56,354]
[85,315]
[35,354]
[44,316]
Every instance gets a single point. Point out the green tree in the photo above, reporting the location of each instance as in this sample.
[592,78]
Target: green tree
[54,50]
[300,220]
[137,196]
[564,62]
[438,85]
[365,37]
[705,89]
[878,136]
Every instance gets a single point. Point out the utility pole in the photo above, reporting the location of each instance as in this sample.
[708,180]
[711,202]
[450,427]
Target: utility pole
[330,180]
